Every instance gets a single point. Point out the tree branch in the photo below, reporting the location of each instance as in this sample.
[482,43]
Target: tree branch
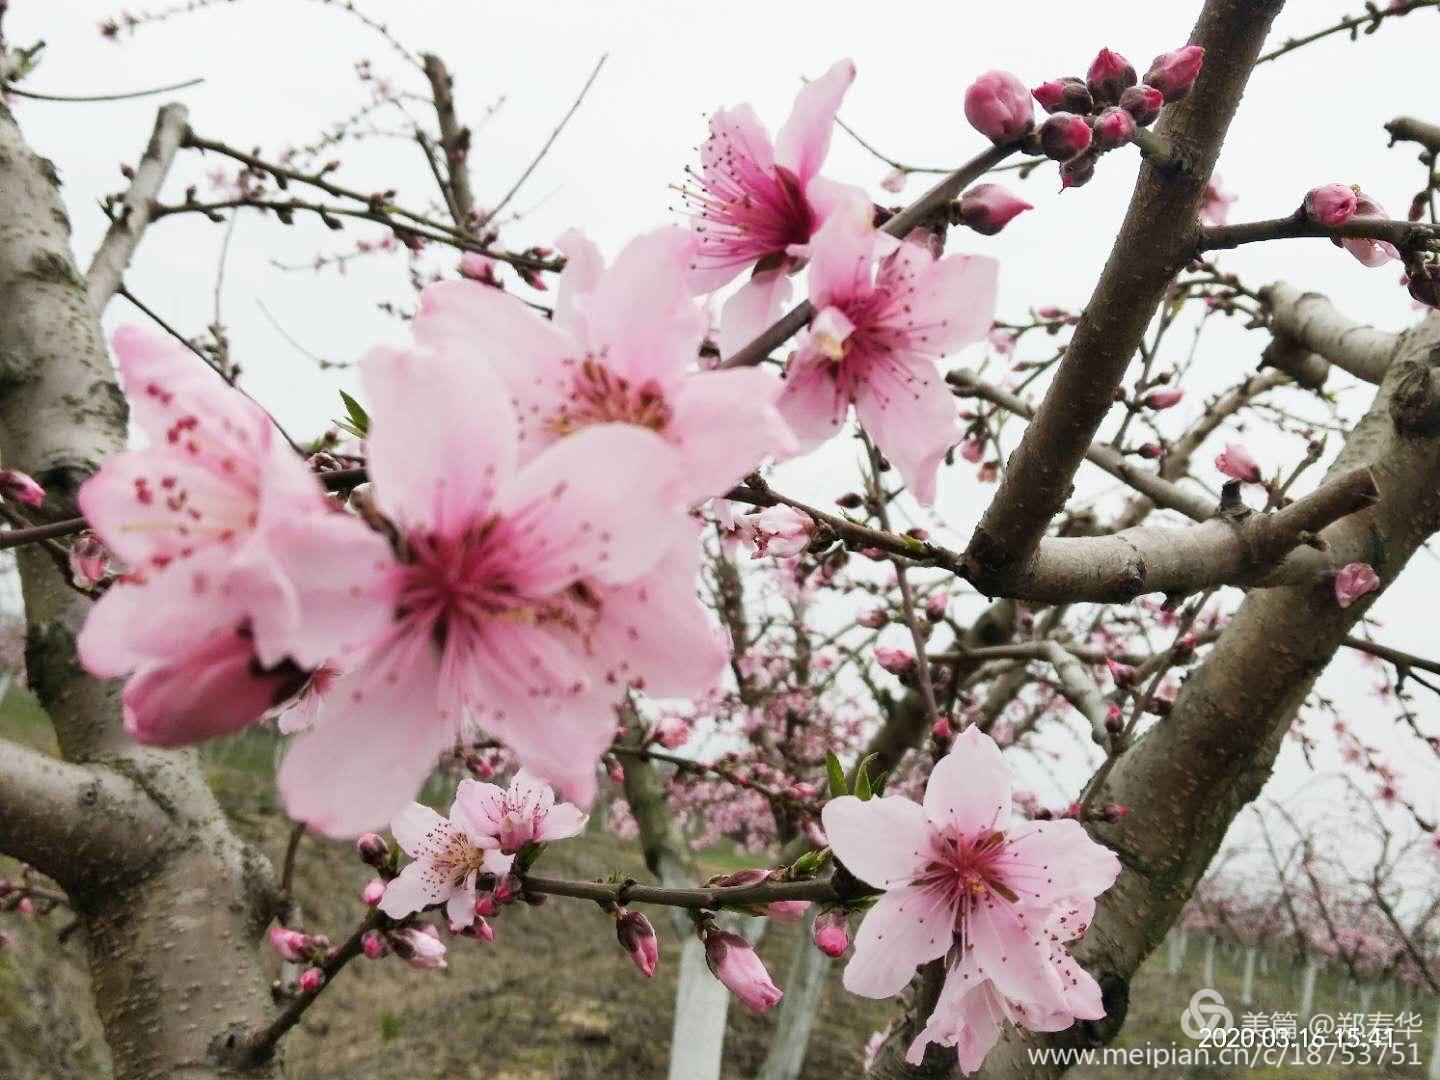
[1310,320]
[1403,234]
[454,140]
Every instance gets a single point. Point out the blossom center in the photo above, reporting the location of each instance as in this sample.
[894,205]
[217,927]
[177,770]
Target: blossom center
[598,395]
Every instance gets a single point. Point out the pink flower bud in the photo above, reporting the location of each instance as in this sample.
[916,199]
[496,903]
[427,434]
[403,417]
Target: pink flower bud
[736,964]
[1354,581]
[615,770]
[1174,72]
[973,450]
[1153,451]
[988,208]
[895,661]
[1163,399]
[787,910]
[373,892]
[373,850]
[1236,461]
[89,560]
[942,729]
[894,181]
[1064,95]
[311,979]
[26,906]
[1114,127]
[935,606]
[1143,103]
[831,934]
[1077,172]
[1331,204]
[1114,718]
[486,906]
[782,531]
[421,948]
[998,106]
[1369,252]
[1064,135]
[637,937]
[872,619]
[290,945]
[479,268]
[14,484]
[1123,674]
[1109,75]
[373,945]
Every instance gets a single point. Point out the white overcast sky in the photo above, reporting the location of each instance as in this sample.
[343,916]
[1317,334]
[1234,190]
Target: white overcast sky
[279,71]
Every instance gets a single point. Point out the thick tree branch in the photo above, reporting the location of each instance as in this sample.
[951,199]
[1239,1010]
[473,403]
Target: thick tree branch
[454,140]
[1311,321]
[1408,129]
[1155,241]
[128,221]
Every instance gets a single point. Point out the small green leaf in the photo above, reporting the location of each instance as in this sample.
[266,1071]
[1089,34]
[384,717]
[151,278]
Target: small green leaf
[863,787]
[359,418]
[877,786]
[836,774]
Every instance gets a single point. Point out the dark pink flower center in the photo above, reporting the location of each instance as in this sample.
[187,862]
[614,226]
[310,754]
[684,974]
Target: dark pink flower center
[743,211]
[599,396]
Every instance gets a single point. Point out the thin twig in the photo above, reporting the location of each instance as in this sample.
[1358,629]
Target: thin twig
[37,96]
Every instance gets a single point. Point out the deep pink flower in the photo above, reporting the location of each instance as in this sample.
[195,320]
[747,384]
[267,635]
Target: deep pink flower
[739,967]
[530,595]
[420,947]
[241,572]
[524,813]
[637,937]
[311,980]
[1163,399]
[1143,103]
[16,485]
[879,330]
[448,855]
[1109,76]
[1355,580]
[1114,127]
[1174,72]
[621,349]
[988,208]
[753,199]
[781,531]
[830,933]
[1067,94]
[998,106]
[1331,204]
[1236,461]
[1215,208]
[1369,252]
[962,882]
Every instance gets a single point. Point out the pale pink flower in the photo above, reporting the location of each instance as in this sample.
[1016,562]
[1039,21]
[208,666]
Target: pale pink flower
[1238,462]
[732,961]
[1355,580]
[530,594]
[755,200]
[1369,252]
[879,330]
[241,571]
[672,732]
[1331,204]
[782,532]
[894,181]
[621,349]
[1174,72]
[998,106]
[420,947]
[962,882]
[447,853]
[637,937]
[1215,207]
[524,813]
[17,485]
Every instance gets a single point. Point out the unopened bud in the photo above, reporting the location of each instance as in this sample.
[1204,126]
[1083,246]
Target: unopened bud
[18,486]
[1123,674]
[850,501]
[895,661]
[998,106]
[1064,135]
[1174,72]
[311,979]
[1331,204]
[1114,127]
[1143,103]
[831,933]
[1423,283]
[988,208]
[1067,94]
[1163,399]
[1077,172]
[1109,76]
[373,892]
[373,850]
[1114,720]
[373,945]
[637,937]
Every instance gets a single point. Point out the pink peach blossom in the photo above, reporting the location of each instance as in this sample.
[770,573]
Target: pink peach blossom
[1109,76]
[1331,204]
[1355,580]
[530,595]
[755,200]
[227,534]
[524,813]
[879,330]
[998,106]
[448,854]
[895,661]
[1237,462]
[1163,399]
[420,947]
[1370,253]
[373,892]
[962,882]
[732,961]
[782,532]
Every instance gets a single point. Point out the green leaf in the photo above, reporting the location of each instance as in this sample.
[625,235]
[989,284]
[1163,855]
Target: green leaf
[836,774]
[863,788]
[877,786]
[359,419]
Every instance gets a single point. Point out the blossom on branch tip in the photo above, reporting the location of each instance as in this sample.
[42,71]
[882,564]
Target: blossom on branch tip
[311,980]
[447,855]
[1174,72]
[1331,204]
[737,965]
[291,945]
[997,902]
[755,200]
[373,892]
[17,485]
[886,312]
[998,106]
[895,661]
[1355,580]
[1236,461]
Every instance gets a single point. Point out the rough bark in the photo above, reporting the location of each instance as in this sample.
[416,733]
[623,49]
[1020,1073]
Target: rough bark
[171,901]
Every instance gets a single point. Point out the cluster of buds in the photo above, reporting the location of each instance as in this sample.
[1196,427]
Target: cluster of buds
[296,948]
[1103,111]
